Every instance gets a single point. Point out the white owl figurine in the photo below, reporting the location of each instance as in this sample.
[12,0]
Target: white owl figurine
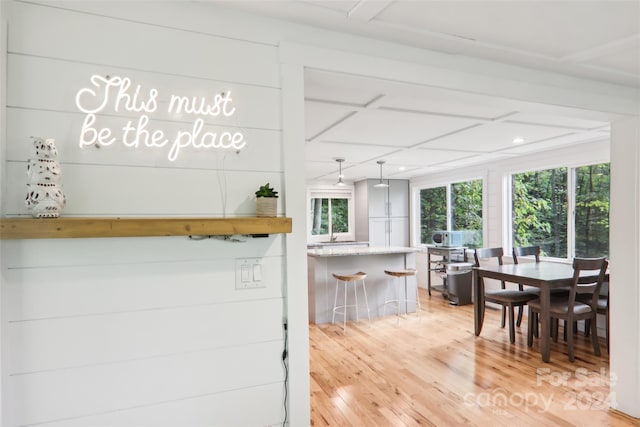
[44,198]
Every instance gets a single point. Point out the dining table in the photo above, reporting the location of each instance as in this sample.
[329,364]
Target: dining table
[544,275]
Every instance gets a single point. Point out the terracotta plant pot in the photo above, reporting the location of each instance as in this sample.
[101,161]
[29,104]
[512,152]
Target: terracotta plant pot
[266,206]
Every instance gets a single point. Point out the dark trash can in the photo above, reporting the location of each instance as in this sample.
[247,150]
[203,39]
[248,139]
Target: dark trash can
[459,283]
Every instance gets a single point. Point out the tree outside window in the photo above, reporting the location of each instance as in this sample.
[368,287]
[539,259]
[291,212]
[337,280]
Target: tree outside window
[340,215]
[540,201]
[592,211]
[329,216]
[539,210]
[466,210]
[433,212]
[463,214]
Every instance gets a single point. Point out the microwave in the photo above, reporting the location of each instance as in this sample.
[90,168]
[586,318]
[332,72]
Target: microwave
[448,238]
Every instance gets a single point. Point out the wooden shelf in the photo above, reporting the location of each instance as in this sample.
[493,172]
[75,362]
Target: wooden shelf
[55,228]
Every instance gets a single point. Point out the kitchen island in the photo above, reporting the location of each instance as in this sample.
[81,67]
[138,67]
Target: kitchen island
[322,263]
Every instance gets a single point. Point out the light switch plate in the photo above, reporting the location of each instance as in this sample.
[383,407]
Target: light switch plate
[250,273]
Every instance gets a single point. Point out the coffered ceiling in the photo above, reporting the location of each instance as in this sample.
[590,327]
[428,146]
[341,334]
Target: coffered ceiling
[419,130]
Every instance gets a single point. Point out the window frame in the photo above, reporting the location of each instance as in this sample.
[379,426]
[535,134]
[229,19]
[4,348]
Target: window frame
[448,188]
[571,205]
[331,192]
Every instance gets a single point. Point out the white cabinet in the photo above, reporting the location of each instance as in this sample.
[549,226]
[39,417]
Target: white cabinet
[382,214]
[378,232]
[392,201]
[399,231]
[398,197]
[377,200]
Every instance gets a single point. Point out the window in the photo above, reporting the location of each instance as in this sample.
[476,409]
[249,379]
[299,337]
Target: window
[539,210]
[592,211]
[319,216]
[466,210]
[433,212]
[456,207]
[565,211]
[322,221]
[330,215]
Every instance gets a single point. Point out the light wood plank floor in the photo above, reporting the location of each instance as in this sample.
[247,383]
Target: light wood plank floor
[436,372]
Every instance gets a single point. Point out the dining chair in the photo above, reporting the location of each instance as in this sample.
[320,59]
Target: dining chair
[603,308]
[526,251]
[522,251]
[507,298]
[571,309]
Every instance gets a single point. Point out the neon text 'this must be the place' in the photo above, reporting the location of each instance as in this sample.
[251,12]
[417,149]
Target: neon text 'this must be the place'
[110,95]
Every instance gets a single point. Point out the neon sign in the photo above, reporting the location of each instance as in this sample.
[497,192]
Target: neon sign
[120,94]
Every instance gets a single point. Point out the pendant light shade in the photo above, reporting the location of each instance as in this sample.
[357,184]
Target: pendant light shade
[381,184]
[340,181]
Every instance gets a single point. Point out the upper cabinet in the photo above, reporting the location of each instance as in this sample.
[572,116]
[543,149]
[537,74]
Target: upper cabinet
[376,199]
[382,213]
[398,195]
[391,201]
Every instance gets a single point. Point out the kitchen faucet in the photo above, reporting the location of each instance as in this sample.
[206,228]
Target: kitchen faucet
[332,238]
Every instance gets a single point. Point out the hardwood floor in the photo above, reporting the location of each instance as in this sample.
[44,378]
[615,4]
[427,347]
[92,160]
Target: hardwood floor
[435,372]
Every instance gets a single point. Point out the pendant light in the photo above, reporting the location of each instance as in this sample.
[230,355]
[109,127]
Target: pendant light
[340,181]
[381,184]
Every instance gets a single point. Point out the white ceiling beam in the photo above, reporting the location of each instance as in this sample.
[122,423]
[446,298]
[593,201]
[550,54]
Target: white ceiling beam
[435,138]
[546,125]
[609,70]
[440,114]
[363,145]
[564,95]
[504,117]
[350,105]
[373,104]
[331,126]
[356,109]
[366,10]
[598,51]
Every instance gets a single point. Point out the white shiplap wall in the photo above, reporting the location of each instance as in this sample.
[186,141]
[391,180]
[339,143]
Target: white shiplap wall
[139,331]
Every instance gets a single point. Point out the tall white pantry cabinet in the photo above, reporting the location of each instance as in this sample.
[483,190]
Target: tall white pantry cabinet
[382,214]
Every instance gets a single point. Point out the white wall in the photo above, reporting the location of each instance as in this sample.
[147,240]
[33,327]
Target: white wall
[140,331]
[625,266]
[3,93]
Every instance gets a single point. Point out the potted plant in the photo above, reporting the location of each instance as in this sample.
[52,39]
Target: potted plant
[266,201]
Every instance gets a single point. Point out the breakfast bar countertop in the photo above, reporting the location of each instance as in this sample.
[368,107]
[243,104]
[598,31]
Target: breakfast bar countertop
[347,251]
[322,264]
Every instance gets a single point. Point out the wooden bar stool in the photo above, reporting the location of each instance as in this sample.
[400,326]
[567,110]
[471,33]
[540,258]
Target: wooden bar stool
[401,274]
[342,309]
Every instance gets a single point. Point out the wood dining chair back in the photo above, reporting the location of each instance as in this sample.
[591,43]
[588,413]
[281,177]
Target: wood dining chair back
[603,309]
[521,251]
[507,298]
[525,251]
[588,276]
[534,251]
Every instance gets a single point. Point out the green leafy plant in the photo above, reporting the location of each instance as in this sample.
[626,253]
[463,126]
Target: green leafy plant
[266,191]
